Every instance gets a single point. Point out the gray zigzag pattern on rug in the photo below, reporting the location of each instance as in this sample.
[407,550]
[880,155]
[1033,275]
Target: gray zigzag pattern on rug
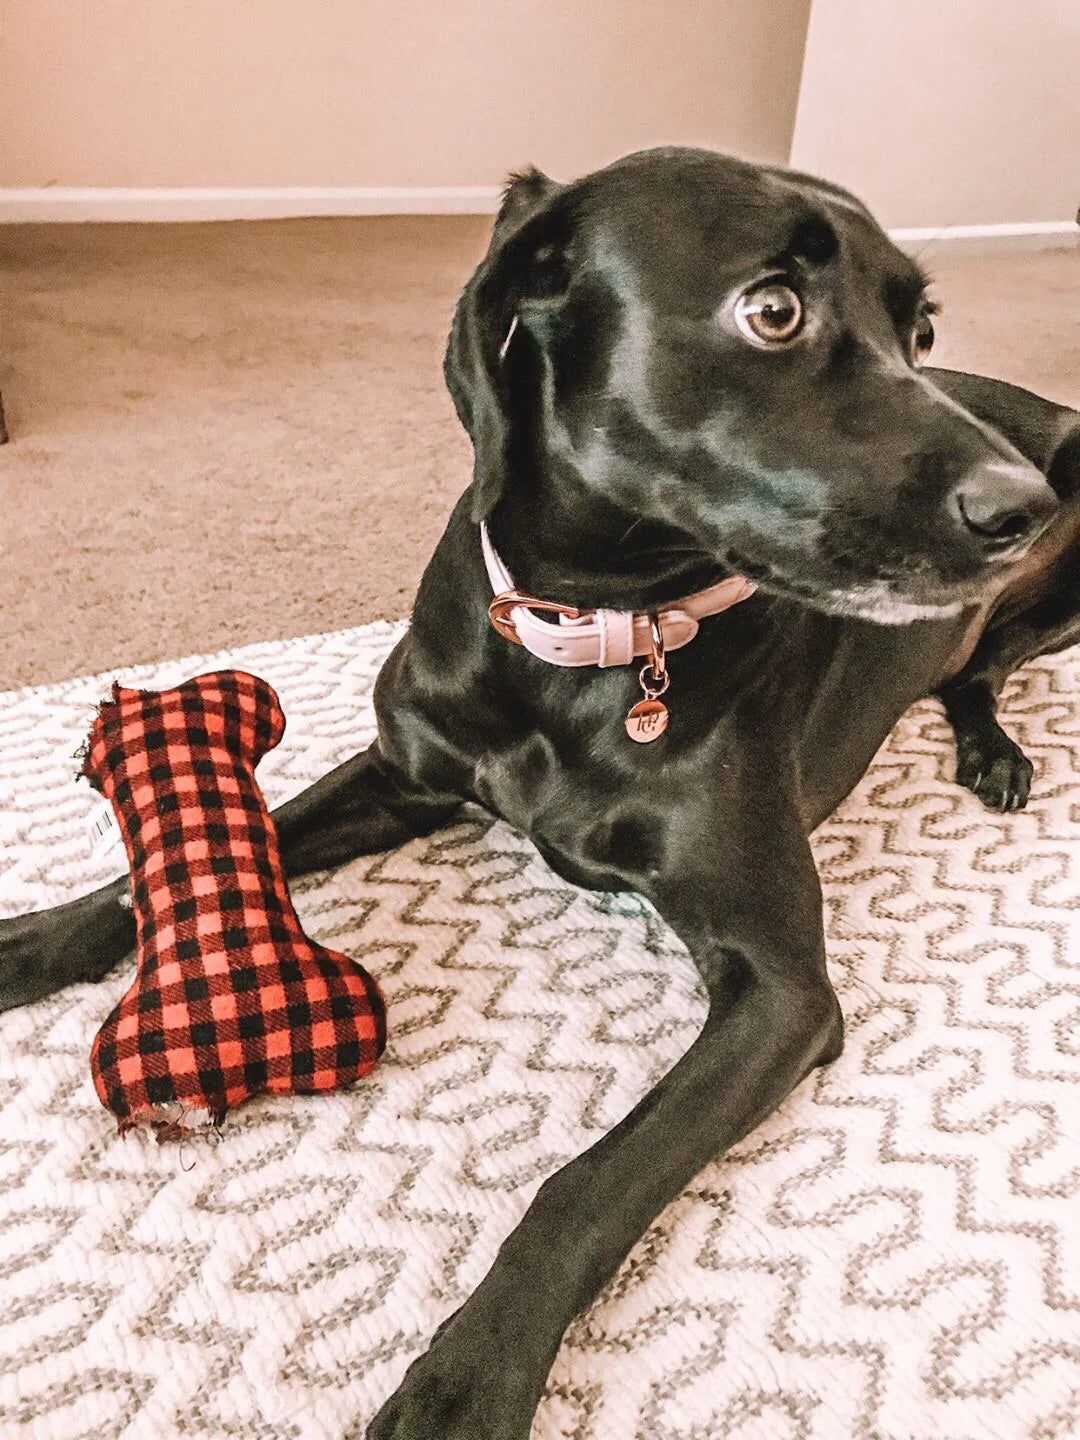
[893,1256]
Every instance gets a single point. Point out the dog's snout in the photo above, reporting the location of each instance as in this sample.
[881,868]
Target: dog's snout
[1004,507]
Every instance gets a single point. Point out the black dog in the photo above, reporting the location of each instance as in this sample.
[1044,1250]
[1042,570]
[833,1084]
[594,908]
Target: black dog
[678,369]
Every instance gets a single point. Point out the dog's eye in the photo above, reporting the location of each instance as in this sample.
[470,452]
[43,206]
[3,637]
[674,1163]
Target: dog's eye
[922,340]
[769,314]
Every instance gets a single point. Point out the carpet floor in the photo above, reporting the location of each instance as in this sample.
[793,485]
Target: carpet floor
[234,432]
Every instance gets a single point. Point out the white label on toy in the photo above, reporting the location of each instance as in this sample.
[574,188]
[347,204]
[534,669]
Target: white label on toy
[103,832]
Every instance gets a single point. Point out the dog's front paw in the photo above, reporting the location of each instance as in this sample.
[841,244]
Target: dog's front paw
[994,768]
[455,1392]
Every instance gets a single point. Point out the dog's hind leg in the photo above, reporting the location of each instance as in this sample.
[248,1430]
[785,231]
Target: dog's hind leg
[756,937]
[357,809]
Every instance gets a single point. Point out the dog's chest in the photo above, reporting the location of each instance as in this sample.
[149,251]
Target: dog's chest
[594,821]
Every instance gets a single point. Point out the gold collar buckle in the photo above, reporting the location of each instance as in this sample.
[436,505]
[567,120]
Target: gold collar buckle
[500,608]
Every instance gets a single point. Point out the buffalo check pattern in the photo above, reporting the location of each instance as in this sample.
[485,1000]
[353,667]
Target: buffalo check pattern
[231,998]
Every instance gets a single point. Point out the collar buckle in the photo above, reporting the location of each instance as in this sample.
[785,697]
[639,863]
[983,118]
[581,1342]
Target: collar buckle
[499,612]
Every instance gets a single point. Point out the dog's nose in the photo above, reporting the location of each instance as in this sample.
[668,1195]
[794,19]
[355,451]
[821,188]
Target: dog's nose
[1004,507]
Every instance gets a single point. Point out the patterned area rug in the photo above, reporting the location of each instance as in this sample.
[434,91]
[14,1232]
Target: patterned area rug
[894,1256]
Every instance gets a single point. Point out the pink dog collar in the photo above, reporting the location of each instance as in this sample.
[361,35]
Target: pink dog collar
[599,637]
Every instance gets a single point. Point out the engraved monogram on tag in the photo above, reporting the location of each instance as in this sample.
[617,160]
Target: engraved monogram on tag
[647,721]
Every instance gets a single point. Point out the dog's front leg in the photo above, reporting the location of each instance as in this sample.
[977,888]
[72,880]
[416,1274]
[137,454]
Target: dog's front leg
[988,761]
[357,809]
[772,1017]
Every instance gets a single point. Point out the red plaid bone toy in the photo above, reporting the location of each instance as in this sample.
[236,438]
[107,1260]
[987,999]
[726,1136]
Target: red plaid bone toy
[231,997]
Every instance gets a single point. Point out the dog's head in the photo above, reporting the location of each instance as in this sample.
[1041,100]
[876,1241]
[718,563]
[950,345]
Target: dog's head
[729,354]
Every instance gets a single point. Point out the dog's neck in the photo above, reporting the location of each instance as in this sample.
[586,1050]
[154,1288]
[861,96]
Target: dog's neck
[574,548]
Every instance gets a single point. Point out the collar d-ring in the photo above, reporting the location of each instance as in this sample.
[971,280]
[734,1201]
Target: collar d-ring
[657,663]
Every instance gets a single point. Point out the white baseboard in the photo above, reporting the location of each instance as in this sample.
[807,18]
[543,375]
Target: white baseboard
[75,203]
[1029,235]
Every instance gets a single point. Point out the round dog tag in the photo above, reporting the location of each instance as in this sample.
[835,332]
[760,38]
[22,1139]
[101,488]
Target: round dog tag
[647,721]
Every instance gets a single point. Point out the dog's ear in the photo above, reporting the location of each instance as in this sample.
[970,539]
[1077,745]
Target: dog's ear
[525,271]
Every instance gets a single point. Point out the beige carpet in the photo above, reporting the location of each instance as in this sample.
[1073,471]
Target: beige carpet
[221,433]
[226,433]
